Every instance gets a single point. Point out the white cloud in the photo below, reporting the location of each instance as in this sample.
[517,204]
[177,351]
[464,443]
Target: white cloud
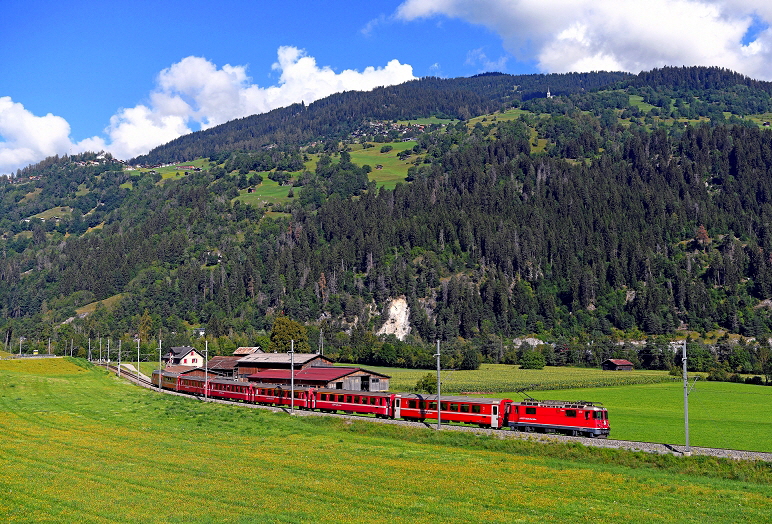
[28,138]
[191,94]
[194,93]
[478,57]
[632,35]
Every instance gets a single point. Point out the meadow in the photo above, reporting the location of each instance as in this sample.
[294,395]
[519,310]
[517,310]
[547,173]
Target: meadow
[79,444]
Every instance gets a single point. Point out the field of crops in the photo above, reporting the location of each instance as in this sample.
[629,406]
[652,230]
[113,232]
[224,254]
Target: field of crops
[502,378]
[81,445]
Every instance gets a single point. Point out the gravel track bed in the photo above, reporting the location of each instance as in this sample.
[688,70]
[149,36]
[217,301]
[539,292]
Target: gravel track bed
[647,447]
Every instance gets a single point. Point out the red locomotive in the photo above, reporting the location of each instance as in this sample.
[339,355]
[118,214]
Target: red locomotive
[579,418]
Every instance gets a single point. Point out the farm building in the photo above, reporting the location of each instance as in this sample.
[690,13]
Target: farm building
[184,355]
[617,364]
[257,362]
[224,366]
[349,378]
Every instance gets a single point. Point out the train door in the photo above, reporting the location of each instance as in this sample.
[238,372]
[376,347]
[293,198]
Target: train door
[397,406]
[494,416]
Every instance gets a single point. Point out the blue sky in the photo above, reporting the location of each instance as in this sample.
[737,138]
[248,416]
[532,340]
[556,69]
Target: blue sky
[126,76]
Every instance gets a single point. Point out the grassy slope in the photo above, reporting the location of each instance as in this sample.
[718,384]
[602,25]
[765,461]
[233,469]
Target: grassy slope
[79,445]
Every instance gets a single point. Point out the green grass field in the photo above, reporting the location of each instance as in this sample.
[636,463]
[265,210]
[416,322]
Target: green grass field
[81,445]
[721,414]
[394,170]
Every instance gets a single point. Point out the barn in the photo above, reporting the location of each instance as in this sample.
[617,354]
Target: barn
[332,377]
[257,362]
[617,364]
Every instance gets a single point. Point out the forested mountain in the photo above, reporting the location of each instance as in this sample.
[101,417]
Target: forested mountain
[621,208]
[336,116]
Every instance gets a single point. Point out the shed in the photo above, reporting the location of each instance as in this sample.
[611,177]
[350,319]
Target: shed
[257,362]
[617,364]
[328,377]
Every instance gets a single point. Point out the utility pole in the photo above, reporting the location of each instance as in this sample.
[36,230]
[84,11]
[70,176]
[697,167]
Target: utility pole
[138,359]
[688,450]
[439,403]
[89,349]
[206,369]
[120,342]
[321,342]
[292,376]
[160,369]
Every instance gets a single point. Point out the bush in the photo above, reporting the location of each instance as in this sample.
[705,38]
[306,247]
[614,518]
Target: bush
[386,149]
[532,360]
[427,384]
[754,380]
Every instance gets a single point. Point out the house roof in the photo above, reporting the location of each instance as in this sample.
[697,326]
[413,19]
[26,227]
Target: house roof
[227,363]
[247,350]
[318,374]
[620,362]
[180,351]
[178,369]
[279,358]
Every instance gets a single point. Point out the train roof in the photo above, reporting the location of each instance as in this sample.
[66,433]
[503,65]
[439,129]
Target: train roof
[355,392]
[580,404]
[450,398]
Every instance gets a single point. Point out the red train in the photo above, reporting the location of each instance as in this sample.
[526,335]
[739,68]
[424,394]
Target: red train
[579,418]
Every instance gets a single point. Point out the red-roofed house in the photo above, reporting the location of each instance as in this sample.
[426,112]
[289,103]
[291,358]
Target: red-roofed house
[617,364]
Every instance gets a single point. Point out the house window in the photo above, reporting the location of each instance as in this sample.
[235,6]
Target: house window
[184,361]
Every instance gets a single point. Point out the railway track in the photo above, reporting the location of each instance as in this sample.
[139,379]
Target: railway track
[647,447]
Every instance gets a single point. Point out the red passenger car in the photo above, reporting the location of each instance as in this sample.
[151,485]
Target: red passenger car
[488,412]
[366,402]
[232,390]
[273,394]
[579,418]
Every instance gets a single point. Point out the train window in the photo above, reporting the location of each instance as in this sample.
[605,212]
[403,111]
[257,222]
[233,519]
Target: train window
[412,404]
[530,411]
[475,408]
[340,398]
[432,405]
[454,407]
[348,398]
[444,406]
[571,413]
[464,408]
[586,415]
[374,401]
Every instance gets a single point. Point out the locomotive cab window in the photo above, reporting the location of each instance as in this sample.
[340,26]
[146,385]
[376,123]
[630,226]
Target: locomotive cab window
[530,411]
[571,413]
